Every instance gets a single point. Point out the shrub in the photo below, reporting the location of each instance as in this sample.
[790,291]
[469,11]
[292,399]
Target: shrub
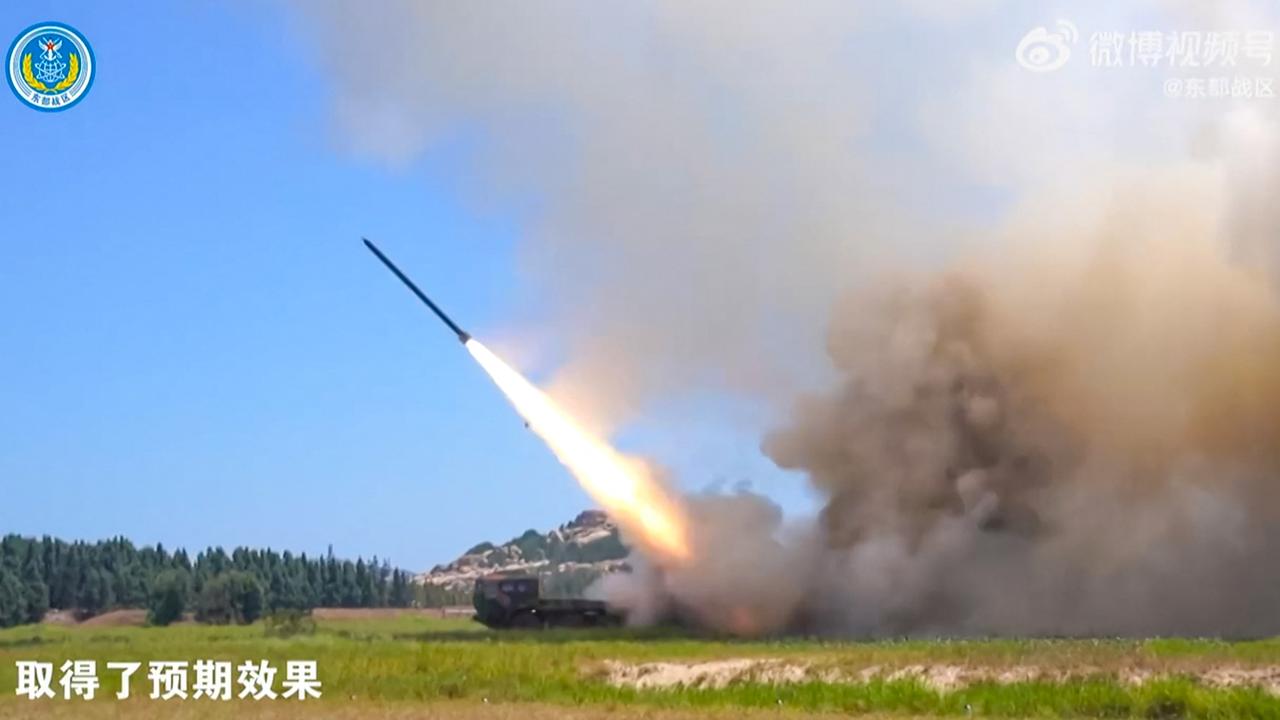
[289,622]
[230,597]
[168,598]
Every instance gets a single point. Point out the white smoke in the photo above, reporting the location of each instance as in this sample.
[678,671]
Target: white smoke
[1055,327]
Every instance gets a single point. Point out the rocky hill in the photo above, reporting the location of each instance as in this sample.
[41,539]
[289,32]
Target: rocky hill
[568,559]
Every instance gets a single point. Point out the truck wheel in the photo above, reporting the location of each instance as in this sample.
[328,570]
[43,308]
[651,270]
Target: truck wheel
[526,621]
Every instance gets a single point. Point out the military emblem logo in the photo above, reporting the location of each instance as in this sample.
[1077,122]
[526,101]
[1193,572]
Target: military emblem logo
[50,66]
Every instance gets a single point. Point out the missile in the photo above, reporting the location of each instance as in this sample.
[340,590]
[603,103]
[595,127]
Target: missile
[463,336]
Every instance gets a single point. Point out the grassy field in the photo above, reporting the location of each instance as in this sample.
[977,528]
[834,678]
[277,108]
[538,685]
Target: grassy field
[415,666]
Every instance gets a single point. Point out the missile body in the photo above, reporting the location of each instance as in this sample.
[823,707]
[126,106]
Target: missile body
[463,336]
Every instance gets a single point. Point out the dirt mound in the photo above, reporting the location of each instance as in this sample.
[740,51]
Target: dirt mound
[117,618]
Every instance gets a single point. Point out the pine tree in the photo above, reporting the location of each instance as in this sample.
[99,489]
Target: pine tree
[35,589]
[169,597]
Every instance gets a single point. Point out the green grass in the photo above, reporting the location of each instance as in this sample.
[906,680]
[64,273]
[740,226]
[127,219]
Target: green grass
[418,659]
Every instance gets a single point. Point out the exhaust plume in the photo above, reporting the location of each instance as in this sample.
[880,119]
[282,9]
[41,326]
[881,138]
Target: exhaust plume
[624,486]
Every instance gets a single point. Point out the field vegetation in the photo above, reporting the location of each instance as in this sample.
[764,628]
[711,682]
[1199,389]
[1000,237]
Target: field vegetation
[411,664]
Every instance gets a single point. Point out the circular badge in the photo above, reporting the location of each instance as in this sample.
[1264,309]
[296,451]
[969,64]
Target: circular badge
[50,66]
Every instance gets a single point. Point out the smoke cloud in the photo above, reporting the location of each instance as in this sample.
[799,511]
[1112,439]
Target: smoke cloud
[1052,400]
[691,164]
[1081,438]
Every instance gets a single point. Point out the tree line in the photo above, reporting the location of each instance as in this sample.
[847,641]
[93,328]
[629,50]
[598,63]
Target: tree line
[38,575]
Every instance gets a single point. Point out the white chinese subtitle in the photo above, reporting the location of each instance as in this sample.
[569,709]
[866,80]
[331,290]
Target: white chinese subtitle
[168,679]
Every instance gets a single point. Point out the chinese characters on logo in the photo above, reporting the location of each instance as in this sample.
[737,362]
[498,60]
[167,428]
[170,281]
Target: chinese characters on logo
[1184,49]
[168,679]
[1229,64]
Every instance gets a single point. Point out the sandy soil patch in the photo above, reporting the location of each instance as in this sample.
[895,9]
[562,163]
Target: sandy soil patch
[942,677]
[1267,678]
[710,674]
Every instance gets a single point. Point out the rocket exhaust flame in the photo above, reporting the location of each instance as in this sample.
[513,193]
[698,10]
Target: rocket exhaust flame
[623,485]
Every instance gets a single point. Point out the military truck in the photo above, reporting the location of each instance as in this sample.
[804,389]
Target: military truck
[514,601]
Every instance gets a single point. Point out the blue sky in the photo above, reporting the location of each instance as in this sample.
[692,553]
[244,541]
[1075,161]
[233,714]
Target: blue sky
[196,349]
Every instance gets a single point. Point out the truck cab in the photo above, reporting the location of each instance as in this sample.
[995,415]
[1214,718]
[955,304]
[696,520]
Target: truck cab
[500,600]
[515,601]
